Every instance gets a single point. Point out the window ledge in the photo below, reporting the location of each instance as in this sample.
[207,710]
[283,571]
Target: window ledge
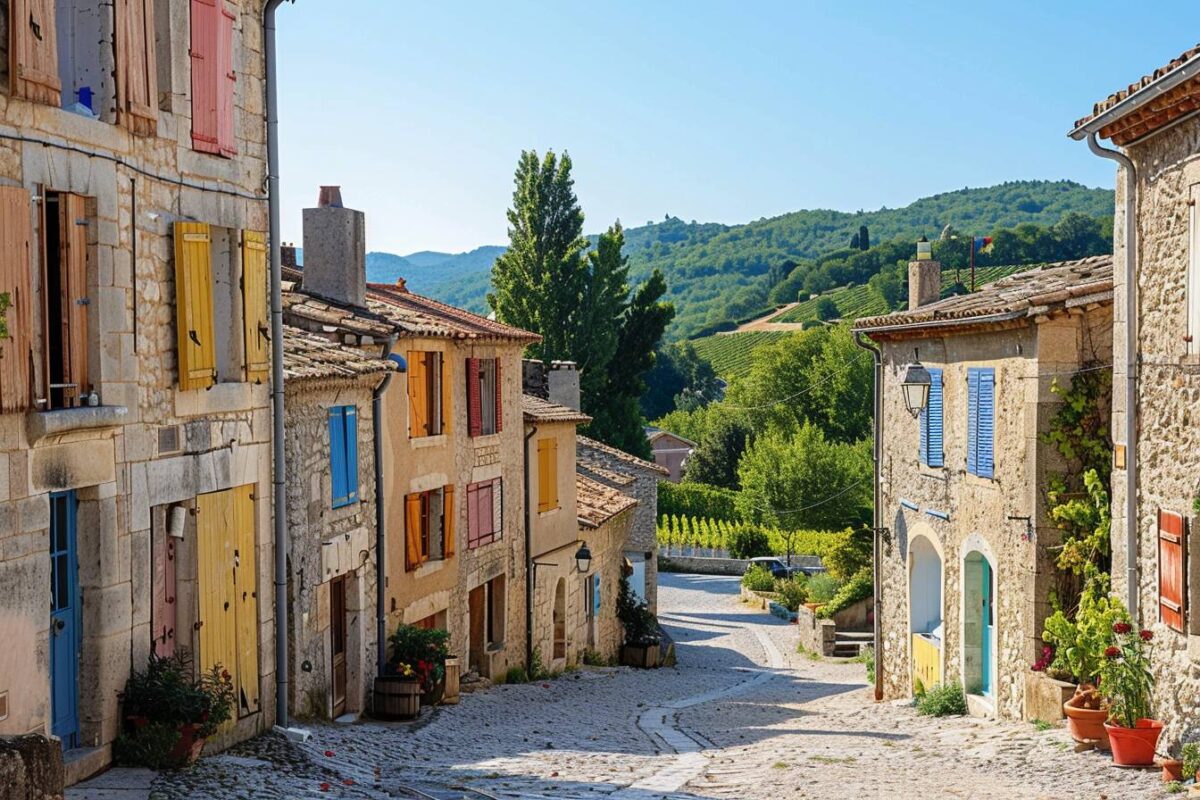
[42,424]
[494,647]
[428,441]
[549,511]
[484,439]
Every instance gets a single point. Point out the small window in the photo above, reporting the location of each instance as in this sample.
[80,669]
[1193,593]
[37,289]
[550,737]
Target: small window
[429,526]
[547,474]
[81,67]
[428,394]
[343,454]
[65,301]
[485,501]
[483,399]
[1193,276]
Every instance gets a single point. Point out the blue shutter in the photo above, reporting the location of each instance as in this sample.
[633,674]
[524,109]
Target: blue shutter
[596,594]
[924,446]
[351,417]
[972,419]
[986,427]
[337,455]
[932,439]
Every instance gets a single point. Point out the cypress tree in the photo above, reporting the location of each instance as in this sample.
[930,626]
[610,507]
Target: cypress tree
[864,238]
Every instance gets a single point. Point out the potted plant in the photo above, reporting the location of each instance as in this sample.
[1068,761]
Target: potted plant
[419,655]
[169,714]
[641,647]
[1128,684]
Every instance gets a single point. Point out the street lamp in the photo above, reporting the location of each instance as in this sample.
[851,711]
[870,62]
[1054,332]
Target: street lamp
[583,557]
[916,387]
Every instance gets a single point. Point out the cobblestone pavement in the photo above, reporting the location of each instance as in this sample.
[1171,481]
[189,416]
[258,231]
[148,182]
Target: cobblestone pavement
[742,716]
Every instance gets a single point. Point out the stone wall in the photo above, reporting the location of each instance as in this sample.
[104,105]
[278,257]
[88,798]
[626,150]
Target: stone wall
[31,768]
[702,565]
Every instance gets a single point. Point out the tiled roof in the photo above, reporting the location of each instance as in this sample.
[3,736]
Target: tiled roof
[596,503]
[314,314]
[423,316]
[606,475]
[538,410]
[1157,112]
[1038,291]
[585,443]
[308,355]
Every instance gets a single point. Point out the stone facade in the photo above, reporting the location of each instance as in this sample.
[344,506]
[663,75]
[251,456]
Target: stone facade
[148,445]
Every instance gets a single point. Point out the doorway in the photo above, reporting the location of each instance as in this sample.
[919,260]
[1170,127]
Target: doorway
[925,613]
[337,643]
[979,625]
[65,620]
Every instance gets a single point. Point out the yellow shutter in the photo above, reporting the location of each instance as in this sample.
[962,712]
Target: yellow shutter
[254,305]
[412,531]
[544,472]
[246,600]
[417,412]
[194,306]
[448,521]
[215,578]
[553,470]
[444,374]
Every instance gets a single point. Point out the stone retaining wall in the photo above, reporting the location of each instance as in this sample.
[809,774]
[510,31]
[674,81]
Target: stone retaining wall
[816,635]
[702,565]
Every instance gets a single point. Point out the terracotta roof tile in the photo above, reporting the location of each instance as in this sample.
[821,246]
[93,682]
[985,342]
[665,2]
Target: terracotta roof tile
[423,316]
[308,355]
[586,443]
[1181,100]
[596,503]
[315,314]
[538,410]
[1038,291]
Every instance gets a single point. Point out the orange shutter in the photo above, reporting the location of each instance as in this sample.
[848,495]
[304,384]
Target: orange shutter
[412,531]
[137,75]
[544,479]
[1171,569]
[417,411]
[553,473]
[445,373]
[16,290]
[197,354]
[254,305]
[72,215]
[33,51]
[448,515]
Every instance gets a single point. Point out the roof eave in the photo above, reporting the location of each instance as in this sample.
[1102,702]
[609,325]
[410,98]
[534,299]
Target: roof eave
[947,322]
[1133,102]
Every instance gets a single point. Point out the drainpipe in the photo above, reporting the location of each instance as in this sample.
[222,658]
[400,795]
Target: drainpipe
[877,457]
[530,570]
[1131,368]
[278,462]
[380,518]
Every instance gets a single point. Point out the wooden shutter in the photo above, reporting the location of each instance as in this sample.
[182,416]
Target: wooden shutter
[499,394]
[340,491]
[137,74]
[205,71]
[596,594]
[1171,560]
[412,531]
[72,221]
[418,412]
[194,306]
[254,306]
[215,545]
[972,420]
[226,82]
[350,421]
[986,428]
[16,351]
[931,439]
[445,375]
[33,51]
[474,404]
[497,507]
[162,607]
[473,518]
[544,471]
[448,516]
[245,579]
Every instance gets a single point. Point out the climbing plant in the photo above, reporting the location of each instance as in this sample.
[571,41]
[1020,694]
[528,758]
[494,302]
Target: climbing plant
[5,302]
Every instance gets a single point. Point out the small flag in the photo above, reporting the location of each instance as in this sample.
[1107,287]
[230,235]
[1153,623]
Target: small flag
[981,242]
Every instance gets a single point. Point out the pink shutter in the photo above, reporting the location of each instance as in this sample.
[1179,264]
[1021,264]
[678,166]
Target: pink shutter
[474,406]
[1170,569]
[499,394]
[162,610]
[226,82]
[205,65]
[472,516]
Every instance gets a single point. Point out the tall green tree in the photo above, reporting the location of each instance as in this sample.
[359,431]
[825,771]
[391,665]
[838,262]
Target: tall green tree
[603,299]
[715,459]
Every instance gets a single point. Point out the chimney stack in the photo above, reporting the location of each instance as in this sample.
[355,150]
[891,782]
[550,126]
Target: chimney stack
[924,277]
[563,381]
[335,250]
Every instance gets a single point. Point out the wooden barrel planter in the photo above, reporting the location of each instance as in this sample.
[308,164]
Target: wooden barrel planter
[640,657]
[396,698]
[453,675]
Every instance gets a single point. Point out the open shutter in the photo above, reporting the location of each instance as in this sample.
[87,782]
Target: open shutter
[412,531]
[226,81]
[417,412]
[448,517]
[254,306]
[923,446]
[474,405]
[137,74]
[16,351]
[1171,589]
[543,467]
[972,420]
[499,394]
[205,66]
[497,507]
[474,492]
[596,594]
[350,421]
[33,51]
[72,216]
[194,306]
[337,457]
[445,373]
[933,444]
[245,581]
[987,423]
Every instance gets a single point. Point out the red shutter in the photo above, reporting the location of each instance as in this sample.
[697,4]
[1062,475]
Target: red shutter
[1171,569]
[226,82]
[205,65]
[474,405]
[499,394]
[162,611]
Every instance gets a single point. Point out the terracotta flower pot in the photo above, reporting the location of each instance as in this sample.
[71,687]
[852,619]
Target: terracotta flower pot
[1172,770]
[1134,747]
[187,749]
[1086,724]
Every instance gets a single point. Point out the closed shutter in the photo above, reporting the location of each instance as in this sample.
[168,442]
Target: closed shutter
[923,445]
[33,56]
[337,457]
[162,607]
[499,393]
[474,492]
[448,517]
[137,74]
[350,421]
[205,71]
[987,423]
[226,82]
[497,507]
[474,405]
[1171,588]
[445,374]
[254,306]
[933,418]
[412,531]
[544,475]
[215,546]
[194,306]
[418,413]
[972,420]
[16,351]
[245,581]
[73,258]
[596,594]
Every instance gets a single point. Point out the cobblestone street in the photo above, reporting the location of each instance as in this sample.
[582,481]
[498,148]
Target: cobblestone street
[742,716]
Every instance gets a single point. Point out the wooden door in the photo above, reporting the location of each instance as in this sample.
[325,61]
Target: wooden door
[337,643]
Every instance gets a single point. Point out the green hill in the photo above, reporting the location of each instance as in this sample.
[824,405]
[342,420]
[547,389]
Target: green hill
[729,353]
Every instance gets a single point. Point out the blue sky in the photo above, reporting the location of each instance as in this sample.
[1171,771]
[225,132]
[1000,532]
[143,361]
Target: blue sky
[713,111]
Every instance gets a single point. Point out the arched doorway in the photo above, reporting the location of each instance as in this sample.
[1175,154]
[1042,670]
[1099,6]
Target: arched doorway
[560,619]
[925,612]
[979,624]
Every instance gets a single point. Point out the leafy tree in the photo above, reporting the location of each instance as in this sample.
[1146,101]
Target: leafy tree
[827,309]
[864,238]
[680,378]
[854,242]
[715,459]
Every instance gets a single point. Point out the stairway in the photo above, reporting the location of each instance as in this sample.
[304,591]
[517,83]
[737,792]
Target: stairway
[849,644]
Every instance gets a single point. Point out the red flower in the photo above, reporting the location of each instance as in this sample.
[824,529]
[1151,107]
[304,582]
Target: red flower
[1122,627]
[1112,652]
[329,754]
[349,781]
[324,787]
[1146,635]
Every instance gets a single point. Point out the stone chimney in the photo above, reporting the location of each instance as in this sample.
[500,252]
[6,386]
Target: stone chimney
[335,250]
[563,380]
[924,282]
[287,254]
[533,378]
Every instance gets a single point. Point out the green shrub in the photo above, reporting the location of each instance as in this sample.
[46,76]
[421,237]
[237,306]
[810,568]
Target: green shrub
[592,658]
[749,542]
[639,624]
[792,592]
[943,700]
[822,587]
[516,675]
[860,587]
[758,579]
[851,553]
[420,653]
[1190,755]
[867,656]
[697,500]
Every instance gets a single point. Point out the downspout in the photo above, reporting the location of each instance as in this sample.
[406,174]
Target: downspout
[380,517]
[877,457]
[277,410]
[530,570]
[1131,369]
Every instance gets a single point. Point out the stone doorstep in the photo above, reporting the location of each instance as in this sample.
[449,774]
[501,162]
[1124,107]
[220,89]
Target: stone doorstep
[84,762]
[120,783]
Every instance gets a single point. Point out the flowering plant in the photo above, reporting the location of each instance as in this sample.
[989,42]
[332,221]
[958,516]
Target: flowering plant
[419,653]
[1125,676]
[1045,661]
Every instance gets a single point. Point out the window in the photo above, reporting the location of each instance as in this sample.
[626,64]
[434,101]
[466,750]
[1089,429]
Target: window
[547,474]
[981,406]
[343,454]
[1171,558]
[429,526]
[931,422]
[483,396]
[213,78]
[64,239]
[485,504]
[428,394]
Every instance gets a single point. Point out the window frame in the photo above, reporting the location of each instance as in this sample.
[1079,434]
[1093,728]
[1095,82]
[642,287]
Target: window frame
[476,535]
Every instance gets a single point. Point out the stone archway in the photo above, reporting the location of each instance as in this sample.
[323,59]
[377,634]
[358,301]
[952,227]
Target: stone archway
[925,609]
[559,620]
[979,624]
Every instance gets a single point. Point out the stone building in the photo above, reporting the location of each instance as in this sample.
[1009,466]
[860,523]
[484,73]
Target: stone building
[1156,363]
[966,563]
[134,412]
[671,451]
